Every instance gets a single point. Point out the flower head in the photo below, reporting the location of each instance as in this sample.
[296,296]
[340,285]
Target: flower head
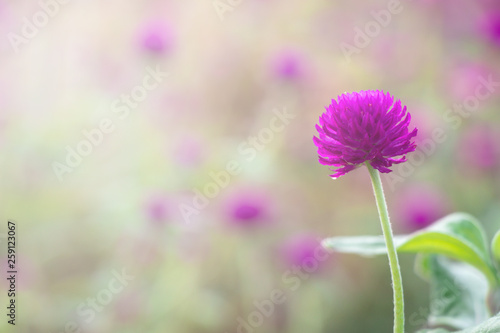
[364,126]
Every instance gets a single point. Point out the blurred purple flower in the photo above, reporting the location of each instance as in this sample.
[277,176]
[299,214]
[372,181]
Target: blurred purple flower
[157,209]
[248,208]
[364,126]
[479,148]
[490,27]
[464,78]
[303,250]
[418,206]
[288,65]
[157,37]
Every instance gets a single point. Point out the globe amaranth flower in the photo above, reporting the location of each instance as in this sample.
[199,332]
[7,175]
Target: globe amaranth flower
[365,126]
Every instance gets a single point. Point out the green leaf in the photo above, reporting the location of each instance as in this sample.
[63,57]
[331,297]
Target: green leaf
[458,236]
[458,293]
[492,325]
[495,246]
[367,246]
[423,266]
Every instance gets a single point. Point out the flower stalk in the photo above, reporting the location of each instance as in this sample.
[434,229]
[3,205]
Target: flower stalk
[397,284]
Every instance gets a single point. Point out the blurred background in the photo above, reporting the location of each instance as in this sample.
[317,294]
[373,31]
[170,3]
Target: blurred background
[157,158]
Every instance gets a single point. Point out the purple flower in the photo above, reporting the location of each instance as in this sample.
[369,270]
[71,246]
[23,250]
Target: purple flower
[157,37]
[302,250]
[491,27]
[157,209]
[248,208]
[420,205]
[364,126]
[288,64]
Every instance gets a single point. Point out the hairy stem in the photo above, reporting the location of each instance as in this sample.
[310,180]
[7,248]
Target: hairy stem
[397,284]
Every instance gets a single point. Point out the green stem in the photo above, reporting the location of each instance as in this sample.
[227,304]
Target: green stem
[397,286]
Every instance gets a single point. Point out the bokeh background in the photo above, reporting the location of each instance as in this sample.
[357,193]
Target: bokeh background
[127,206]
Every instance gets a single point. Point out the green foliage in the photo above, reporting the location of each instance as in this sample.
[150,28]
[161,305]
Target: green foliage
[453,256]
[458,292]
[458,236]
[492,325]
[495,247]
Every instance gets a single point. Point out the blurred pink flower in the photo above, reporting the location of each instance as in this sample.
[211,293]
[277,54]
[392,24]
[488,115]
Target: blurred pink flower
[157,37]
[288,64]
[418,206]
[464,79]
[248,208]
[479,148]
[156,208]
[303,250]
[490,27]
